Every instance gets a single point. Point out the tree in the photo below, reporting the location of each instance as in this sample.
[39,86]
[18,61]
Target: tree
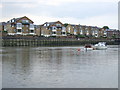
[65,24]
[105,27]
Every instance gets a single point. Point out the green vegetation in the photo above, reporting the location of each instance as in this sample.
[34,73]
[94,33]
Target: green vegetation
[114,36]
[65,24]
[105,27]
[80,36]
[5,31]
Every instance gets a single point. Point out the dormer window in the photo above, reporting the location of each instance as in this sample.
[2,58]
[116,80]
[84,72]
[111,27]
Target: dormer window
[12,20]
[47,24]
[44,25]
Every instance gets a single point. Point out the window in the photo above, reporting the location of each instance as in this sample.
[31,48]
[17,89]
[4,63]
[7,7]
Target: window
[12,25]
[12,20]
[81,31]
[25,21]
[47,24]
[53,32]
[63,32]
[14,30]
[58,25]
[26,25]
[19,30]
[31,31]
[53,28]
[50,28]
[75,30]
[96,31]
[31,26]
[19,25]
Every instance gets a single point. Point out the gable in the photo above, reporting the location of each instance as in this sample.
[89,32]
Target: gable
[24,18]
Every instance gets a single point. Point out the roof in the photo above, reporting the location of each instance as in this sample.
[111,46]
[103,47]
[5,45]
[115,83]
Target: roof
[110,29]
[16,19]
[2,23]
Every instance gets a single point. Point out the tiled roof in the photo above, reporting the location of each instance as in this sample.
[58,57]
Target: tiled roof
[17,19]
[2,23]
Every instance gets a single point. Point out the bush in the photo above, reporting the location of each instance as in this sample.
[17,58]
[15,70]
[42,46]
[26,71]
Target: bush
[80,36]
[5,31]
[53,36]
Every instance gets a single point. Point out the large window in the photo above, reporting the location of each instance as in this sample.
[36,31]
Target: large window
[19,25]
[31,26]
[25,21]
[58,25]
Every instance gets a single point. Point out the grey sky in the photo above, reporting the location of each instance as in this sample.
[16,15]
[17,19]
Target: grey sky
[87,12]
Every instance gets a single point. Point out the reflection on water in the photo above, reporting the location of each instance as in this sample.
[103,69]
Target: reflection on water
[59,67]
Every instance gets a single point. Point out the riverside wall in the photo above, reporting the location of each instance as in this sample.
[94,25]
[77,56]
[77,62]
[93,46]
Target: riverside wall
[44,41]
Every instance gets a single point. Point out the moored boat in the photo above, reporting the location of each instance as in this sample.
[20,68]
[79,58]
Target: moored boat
[88,47]
[100,46]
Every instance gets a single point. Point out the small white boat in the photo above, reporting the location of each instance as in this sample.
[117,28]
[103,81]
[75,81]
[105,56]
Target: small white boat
[100,46]
[88,47]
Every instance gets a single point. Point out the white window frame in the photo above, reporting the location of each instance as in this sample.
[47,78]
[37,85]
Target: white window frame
[18,26]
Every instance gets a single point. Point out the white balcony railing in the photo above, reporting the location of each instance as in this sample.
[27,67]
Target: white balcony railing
[54,30]
[32,33]
[19,33]
[18,27]
[31,28]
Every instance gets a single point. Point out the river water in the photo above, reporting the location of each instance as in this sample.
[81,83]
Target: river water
[59,67]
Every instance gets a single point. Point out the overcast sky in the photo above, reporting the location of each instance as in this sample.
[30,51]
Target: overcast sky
[85,12]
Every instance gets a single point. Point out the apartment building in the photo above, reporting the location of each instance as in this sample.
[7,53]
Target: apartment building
[20,26]
[69,30]
[2,28]
[53,29]
[25,26]
[38,30]
[82,30]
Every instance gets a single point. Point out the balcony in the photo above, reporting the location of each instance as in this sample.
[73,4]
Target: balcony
[25,22]
[31,28]
[19,33]
[32,33]
[18,27]
[54,30]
